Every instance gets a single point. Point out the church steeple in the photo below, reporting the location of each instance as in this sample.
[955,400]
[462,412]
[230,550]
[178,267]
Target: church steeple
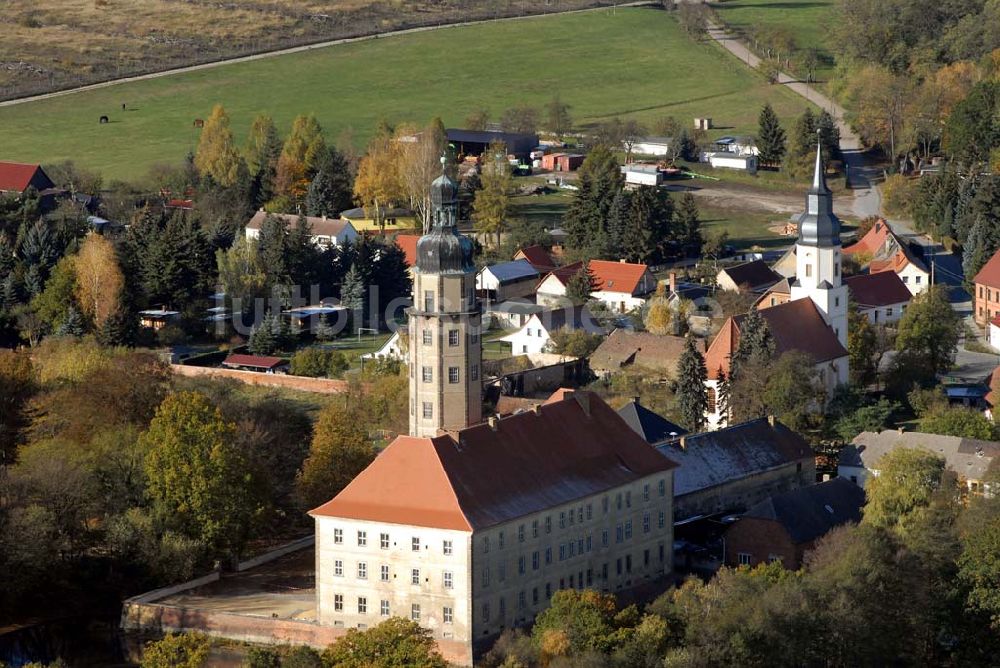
[818,225]
[445,351]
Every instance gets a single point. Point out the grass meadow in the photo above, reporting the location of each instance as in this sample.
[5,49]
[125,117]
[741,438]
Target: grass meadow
[633,62]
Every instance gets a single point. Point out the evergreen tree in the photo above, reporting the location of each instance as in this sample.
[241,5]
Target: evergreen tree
[652,227]
[39,249]
[120,328]
[581,285]
[261,156]
[338,182]
[829,134]
[270,336]
[688,224]
[8,293]
[690,389]
[722,394]
[73,325]
[630,240]
[353,293]
[771,137]
[756,344]
[600,180]
[804,134]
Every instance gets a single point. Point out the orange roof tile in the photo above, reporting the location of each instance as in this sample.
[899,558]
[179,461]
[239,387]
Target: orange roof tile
[16,177]
[408,242]
[617,276]
[873,241]
[989,275]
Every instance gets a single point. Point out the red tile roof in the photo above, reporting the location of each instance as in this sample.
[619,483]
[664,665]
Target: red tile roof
[879,289]
[408,242]
[537,256]
[795,325]
[259,361]
[559,453]
[17,176]
[618,276]
[989,275]
[873,241]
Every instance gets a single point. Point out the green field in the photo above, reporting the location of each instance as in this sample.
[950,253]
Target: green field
[807,20]
[635,62]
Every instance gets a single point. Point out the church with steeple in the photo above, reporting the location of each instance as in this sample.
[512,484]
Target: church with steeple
[812,319]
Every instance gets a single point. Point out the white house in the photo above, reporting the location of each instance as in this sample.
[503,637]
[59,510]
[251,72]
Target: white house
[536,334]
[394,349]
[724,159]
[507,280]
[622,286]
[325,231]
[883,297]
[642,175]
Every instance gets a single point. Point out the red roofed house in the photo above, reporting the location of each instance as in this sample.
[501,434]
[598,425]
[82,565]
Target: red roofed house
[623,286]
[539,258]
[16,177]
[987,293]
[883,297]
[325,231]
[882,251]
[258,363]
[466,527]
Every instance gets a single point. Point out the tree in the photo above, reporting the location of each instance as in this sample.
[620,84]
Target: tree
[340,450]
[196,474]
[242,274]
[959,421]
[377,184]
[793,392]
[297,163]
[302,656]
[978,565]
[478,120]
[269,337]
[971,130]
[59,295]
[586,218]
[878,99]
[420,158]
[216,155]
[587,618]
[687,221]
[770,137]
[581,285]
[17,385]
[99,280]
[573,342]
[73,325]
[861,342]
[659,316]
[690,389]
[907,480]
[395,643]
[184,650]
[557,117]
[872,417]
[930,329]
[261,657]
[354,294]
[489,207]
[693,18]
[522,119]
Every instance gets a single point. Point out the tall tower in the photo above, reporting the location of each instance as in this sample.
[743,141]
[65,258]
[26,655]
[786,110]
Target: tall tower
[817,255]
[444,323]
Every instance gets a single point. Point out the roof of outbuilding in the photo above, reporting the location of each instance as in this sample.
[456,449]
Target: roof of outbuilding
[320,225]
[733,453]
[808,513]
[261,361]
[485,136]
[513,271]
[755,275]
[17,176]
[642,349]
[962,455]
[653,427]
[489,474]
[880,289]
[794,325]
[539,258]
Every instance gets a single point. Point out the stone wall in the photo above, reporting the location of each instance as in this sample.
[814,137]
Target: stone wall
[739,495]
[302,383]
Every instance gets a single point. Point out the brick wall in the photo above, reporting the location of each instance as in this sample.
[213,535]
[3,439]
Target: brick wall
[302,383]
[760,539]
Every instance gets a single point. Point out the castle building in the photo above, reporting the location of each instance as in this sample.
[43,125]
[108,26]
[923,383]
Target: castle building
[469,527]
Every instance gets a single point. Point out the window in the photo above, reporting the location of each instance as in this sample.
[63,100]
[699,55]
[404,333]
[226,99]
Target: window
[628,529]
[524,349]
[338,536]
[571,518]
[427,374]
[428,337]
[590,543]
[486,611]
[836,301]
[628,563]
[661,553]
[548,524]
[645,492]
[590,512]
[415,576]
[534,528]
[486,576]
[888,312]
[446,547]
[521,565]
[711,399]
[383,608]
[604,572]
[590,576]
[383,541]
[362,570]
[534,560]
[486,543]
[548,591]
[906,279]
[415,544]
[618,501]
[384,572]
[562,551]
[520,533]
[663,487]
[428,410]
[548,556]
[473,337]
[562,519]
[362,605]
[415,612]
[475,372]
[744,559]
[338,568]
[661,520]
[448,579]
[645,557]
[645,522]
[522,600]
[447,615]
[604,538]
[916,279]
[772,558]
[500,541]
[502,607]
[534,596]
[338,602]
[619,533]
[452,337]
[809,270]
[453,374]
[628,499]
[428,300]
[604,505]
[362,538]
[502,571]
[618,566]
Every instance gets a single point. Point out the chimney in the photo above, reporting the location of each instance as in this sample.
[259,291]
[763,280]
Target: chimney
[635,399]
[673,282]
[494,422]
[770,420]
[537,409]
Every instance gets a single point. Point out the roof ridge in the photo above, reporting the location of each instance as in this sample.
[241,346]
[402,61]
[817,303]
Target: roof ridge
[444,469]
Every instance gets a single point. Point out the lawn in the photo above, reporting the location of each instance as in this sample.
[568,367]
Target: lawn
[635,62]
[746,229]
[807,20]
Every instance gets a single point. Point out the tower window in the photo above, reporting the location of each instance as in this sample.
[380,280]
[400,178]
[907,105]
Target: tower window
[452,337]
[427,374]
[428,300]
[428,337]
[836,301]
[453,374]
[428,410]
[809,270]
[475,372]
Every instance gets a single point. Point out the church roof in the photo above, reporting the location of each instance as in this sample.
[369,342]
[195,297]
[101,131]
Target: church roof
[818,225]
[484,475]
[795,325]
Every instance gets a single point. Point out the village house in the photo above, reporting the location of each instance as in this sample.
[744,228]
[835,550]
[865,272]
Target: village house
[987,295]
[393,219]
[882,297]
[258,363]
[639,174]
[393,349]
[652,146]
[753,276]
[536,334]
[325,231]
[158,318]
[969,458]
[507,280]
[650,353]
[16,178]
[532,375]
[466,527]
[881,250]
[779,293]
[622,286]
[513,313]
[783,527]
[734,468]
[539,258]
